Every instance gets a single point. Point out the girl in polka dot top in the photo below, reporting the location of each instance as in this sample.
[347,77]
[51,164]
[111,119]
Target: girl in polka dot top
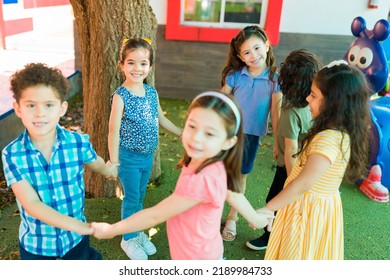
[133,136]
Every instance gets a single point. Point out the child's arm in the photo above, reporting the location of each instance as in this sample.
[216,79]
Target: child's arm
[166,123]
[114,125]
[314,168]
[226,89]
[290,149]
[276,103]
[146,218]
[239,202]
[30,201]
[107,169]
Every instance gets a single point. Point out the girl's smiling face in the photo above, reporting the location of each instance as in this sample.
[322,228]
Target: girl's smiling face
[253,52]
[204,135]
[315,100]
[136,66]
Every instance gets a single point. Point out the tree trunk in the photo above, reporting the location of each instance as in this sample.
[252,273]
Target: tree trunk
[101,27]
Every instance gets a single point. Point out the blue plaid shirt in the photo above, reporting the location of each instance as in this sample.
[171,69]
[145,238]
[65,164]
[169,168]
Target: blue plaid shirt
[59,184]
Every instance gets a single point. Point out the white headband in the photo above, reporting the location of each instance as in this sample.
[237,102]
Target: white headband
[336,63]
[228,101]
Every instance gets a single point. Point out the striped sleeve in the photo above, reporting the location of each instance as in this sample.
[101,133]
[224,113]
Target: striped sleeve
[327,143]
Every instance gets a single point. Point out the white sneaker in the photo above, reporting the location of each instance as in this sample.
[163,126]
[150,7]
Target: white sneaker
[148,246]
[133,249]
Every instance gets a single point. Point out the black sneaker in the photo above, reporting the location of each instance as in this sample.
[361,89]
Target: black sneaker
[258,243]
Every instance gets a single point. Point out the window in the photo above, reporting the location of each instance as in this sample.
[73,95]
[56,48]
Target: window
[220,20]
[223,13]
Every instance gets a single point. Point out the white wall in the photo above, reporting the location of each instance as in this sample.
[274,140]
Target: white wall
[333,17]
[53,20]
[330,16]
[160,10]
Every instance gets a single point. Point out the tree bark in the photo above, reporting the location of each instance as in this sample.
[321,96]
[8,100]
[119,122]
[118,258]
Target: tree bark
[101,27]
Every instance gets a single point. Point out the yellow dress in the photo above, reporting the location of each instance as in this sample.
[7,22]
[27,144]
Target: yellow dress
[311,228]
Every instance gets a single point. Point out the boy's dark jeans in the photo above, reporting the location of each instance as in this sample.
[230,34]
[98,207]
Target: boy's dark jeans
[82,251]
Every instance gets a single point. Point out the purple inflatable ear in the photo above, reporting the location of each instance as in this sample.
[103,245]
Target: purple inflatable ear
[382,30]
[358,25]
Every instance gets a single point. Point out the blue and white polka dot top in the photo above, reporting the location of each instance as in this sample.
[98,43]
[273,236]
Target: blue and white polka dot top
[139,126]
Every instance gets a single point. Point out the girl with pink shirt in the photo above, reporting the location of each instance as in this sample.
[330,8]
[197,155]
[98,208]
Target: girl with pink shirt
[210,175]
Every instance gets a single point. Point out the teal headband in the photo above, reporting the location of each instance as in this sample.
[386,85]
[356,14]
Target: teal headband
[228,101]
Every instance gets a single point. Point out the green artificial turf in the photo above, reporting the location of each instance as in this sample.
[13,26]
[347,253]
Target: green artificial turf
[366,222]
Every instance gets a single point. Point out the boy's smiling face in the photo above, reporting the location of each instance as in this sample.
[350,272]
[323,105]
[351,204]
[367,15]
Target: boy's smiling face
[40,110]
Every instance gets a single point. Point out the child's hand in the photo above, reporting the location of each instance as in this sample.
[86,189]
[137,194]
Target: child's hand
[85,229]
[101,230]
[275,151]
[269,214]
[261,221]
[111,170]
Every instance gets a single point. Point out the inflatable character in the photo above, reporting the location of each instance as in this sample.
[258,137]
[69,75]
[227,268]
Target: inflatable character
[386,48]
[367,53]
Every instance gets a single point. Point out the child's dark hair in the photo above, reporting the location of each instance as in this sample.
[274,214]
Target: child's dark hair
[296,76]
[345,107]
[234,63]
[34,74]
[232,158]
[129,45]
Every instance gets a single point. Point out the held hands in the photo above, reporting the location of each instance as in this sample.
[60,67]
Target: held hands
[111,172]
[264,219]
[101,230]
[270,215]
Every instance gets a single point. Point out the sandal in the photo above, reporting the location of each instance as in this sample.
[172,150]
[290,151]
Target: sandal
[229,231]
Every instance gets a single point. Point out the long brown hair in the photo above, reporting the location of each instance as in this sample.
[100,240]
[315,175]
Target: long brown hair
[345,107]
[232,158]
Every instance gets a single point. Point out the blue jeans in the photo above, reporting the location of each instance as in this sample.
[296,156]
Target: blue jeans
[82,251]
[134,172]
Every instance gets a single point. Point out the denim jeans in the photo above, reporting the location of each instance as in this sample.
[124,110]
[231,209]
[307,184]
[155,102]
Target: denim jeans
[251,145]
[134,172]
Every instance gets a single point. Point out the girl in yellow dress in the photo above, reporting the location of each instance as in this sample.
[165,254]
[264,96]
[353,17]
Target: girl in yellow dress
[309,221]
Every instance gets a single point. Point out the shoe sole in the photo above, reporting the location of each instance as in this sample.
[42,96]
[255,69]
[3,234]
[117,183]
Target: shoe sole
[229,239]
[370,192]
[149,253]
[255,248]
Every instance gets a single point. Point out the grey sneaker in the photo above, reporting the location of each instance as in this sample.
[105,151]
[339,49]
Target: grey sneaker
[133,249]
[146,244]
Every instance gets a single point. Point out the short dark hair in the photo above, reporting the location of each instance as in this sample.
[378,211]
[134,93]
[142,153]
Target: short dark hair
[34,74]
